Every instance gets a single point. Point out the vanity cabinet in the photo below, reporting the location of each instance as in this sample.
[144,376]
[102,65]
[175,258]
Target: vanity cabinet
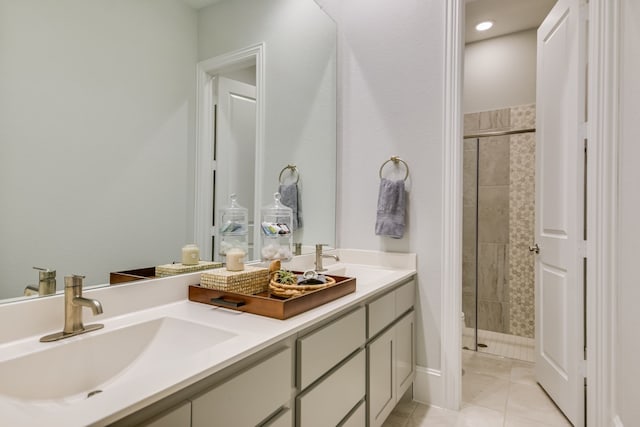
[348,370]
[390,350]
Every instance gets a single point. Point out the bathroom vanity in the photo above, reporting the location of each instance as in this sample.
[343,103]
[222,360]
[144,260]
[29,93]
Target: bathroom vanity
[162,360]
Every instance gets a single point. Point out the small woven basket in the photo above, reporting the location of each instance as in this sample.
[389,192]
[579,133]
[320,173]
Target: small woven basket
[167,270]
[251,280]
[287,291]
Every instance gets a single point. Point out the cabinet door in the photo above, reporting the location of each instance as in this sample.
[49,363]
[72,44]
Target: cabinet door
[405,353]
[382,388]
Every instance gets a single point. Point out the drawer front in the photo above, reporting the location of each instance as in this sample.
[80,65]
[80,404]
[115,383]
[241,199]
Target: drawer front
[284,419]
[324,348]
[405,297]
[381,313]
[358,418]
[264,388]
[329,401]
[177,417]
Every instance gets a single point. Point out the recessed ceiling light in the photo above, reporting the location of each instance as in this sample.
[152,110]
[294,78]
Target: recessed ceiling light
[484,26]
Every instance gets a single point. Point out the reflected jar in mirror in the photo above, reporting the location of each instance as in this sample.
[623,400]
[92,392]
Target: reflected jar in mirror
[234,220]
[277,236]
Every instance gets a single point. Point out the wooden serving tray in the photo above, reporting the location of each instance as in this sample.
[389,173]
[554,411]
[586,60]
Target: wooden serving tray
[272,306]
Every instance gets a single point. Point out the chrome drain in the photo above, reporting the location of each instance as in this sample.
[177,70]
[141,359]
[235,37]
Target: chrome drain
[91,393]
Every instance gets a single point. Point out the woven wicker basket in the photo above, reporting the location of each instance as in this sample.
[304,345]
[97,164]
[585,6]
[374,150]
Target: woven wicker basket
[251,280]
[167,270]
[288,291]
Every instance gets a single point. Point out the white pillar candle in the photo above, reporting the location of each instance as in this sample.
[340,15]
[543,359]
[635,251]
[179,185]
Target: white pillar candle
[235,260]
[190,255]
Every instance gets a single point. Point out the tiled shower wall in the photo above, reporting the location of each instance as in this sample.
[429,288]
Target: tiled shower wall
[499,178]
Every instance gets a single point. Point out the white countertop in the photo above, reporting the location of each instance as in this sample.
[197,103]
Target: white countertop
[152,299]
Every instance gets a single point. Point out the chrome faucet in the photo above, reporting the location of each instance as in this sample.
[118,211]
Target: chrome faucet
[46,283]
[320,255]
[73,303]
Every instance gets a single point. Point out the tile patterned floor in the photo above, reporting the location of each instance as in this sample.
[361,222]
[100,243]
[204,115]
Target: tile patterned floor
[496,392]
[511,346]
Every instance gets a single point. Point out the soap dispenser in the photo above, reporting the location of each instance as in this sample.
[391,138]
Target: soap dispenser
[234,227]
[277,236]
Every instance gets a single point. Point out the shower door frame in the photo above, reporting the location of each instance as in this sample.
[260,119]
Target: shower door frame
[477,137]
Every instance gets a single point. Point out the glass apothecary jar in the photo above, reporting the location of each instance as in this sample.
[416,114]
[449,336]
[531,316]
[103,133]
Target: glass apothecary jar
[277,237]
[234,227]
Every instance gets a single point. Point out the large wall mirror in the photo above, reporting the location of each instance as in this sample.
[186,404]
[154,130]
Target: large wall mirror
[98,125]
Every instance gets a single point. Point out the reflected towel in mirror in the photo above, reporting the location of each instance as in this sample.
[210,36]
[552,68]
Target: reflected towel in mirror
[391,209]
[290,197]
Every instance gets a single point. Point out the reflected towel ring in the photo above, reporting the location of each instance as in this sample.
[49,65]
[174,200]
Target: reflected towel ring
[396,160]
[293,169]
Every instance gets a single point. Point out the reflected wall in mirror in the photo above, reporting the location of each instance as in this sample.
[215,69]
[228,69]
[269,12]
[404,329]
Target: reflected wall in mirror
[295,119]
[98,129]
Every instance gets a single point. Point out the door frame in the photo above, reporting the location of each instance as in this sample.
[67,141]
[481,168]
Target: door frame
[205,79]
[602,132]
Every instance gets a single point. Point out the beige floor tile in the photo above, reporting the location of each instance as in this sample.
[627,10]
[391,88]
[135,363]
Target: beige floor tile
[487,364]
[515,421]
[432,416]
[477,416]
[405,408]
[531,402]
[523,373]
[485,390]
[395,420]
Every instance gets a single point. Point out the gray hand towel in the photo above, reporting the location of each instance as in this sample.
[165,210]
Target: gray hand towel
[391,209]
[290,197]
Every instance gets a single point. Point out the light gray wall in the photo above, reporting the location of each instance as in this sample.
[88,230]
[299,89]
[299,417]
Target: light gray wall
[390,84]
[96,123]
[500,72]
[627,345]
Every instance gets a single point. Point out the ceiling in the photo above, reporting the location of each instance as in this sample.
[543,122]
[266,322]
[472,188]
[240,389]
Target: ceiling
[509,16]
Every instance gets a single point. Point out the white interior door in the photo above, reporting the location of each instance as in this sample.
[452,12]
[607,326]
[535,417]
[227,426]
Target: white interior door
[236,149]
[559,208]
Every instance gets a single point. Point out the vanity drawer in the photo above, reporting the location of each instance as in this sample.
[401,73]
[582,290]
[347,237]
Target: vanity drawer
[264,387]
[324,348]
[357,418]
[329,401]
[405,297]
[381,313]
[384,310]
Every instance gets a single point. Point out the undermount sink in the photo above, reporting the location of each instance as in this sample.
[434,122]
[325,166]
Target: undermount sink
[80,366]
[360,272]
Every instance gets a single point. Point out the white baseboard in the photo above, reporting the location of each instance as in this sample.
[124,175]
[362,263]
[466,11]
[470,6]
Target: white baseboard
[427,387]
